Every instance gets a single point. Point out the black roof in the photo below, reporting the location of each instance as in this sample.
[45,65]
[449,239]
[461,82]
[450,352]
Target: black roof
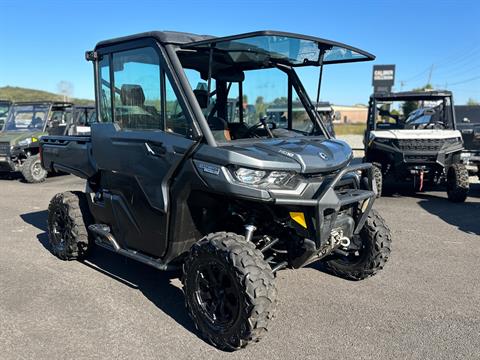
[164,37]
[412,95]
[4,101]
[193,40]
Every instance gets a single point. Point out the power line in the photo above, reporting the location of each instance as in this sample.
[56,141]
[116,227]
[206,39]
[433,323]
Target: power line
[465,81]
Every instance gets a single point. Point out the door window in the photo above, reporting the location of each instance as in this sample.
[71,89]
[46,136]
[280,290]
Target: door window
[137,89]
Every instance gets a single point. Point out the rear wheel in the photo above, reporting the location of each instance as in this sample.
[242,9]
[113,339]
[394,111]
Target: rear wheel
[68,218]
[32,170]
[368,252]
[457,183]
[229,290]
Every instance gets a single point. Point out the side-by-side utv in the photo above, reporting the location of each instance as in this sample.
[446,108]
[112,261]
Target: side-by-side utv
[176,177]
[27,122]
[412,136]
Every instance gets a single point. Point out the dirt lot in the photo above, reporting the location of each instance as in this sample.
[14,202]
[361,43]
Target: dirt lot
[424,305]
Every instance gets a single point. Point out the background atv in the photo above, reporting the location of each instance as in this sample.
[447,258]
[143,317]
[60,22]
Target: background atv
[421,145]
[26,123]
[177,179]
[468,122]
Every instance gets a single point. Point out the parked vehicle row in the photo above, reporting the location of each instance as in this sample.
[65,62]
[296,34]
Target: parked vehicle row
[206,154]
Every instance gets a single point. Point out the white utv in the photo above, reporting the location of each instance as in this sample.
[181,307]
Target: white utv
[422,145]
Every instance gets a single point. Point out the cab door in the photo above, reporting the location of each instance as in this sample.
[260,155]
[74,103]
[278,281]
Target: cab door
[140,140]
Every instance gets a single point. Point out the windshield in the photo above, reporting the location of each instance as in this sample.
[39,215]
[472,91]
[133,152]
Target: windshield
[27,117]
[414,115]
[258,106]
[286,48]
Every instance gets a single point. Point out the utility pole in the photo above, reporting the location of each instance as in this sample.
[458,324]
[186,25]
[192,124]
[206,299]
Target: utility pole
[430,74]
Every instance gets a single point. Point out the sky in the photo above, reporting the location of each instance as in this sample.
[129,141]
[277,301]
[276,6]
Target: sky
[43,42]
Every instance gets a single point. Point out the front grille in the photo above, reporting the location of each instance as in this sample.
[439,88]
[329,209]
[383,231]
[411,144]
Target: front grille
[420,158]
[4,148]
[420,144]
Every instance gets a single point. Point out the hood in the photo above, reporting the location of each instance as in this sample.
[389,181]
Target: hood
[415,134]
[13,137]
[303,155]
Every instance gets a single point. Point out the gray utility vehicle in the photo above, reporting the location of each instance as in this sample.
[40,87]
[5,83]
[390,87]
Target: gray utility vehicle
[422,146]
[469,125]
[173,182]
[4,109]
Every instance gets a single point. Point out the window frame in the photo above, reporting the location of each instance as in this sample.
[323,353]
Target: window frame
[166,72]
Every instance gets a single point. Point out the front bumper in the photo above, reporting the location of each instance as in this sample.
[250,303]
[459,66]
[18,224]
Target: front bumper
[330,200]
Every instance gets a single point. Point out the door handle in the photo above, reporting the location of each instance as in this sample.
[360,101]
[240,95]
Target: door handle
[156,149]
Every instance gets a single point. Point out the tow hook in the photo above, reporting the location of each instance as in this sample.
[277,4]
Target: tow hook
[421,180]
[338,239]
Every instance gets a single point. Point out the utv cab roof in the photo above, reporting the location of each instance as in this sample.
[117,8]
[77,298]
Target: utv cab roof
[412,95]
[53,103]
[257,47]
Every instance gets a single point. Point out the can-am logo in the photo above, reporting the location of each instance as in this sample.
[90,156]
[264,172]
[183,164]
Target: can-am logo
[287,153]
[323,155]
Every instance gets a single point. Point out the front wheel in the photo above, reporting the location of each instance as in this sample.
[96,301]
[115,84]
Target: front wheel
[68,219]
[457,183]
[368,252]
[32,170]
[229,290]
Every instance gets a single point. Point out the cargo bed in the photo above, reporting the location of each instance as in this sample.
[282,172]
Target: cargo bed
[70,154]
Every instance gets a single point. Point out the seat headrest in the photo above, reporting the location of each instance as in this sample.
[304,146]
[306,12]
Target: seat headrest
[202,97]
[132,95]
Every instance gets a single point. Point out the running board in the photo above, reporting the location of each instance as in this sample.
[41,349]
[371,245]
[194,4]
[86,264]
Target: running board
[105,239]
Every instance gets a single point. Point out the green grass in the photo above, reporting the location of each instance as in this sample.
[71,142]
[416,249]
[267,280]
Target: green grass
[349,129]
[23,94]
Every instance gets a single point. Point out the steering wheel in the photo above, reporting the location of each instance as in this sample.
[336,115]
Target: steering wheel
[263,122]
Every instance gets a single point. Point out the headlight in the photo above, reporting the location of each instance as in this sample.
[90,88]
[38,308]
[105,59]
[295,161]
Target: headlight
[25,142]
[262,178]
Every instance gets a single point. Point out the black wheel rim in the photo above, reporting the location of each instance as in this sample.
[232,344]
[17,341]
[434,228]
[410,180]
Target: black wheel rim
[217,295]
[61,227]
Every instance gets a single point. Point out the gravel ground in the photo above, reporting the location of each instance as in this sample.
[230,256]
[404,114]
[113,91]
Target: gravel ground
[424,305]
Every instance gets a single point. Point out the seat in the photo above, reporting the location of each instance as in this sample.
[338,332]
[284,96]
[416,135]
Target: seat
[135,115]
[218,126]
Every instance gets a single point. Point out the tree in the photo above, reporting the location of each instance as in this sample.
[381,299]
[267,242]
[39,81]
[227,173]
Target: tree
[409,106]
[65,88]
[472,102]
[260,107]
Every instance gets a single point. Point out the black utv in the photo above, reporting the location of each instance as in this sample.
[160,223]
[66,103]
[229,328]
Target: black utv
[176,179]
[412,136]
[469,125]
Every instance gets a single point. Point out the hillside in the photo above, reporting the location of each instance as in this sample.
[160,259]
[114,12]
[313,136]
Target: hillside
[23,94]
